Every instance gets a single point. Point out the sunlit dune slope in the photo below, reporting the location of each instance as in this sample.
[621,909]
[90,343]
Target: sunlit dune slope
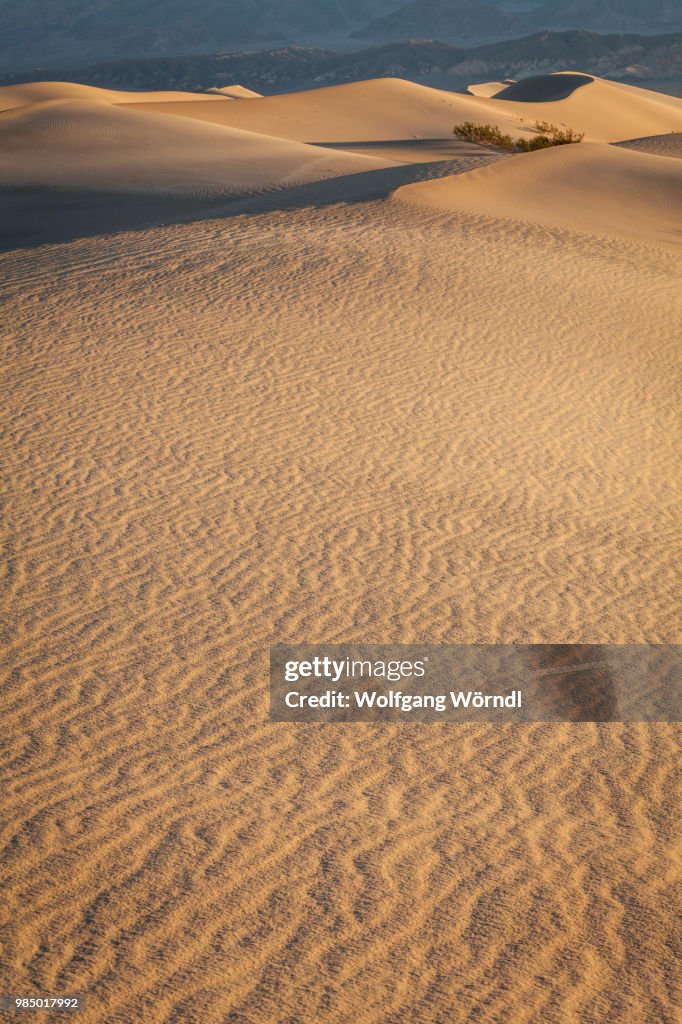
[604,111]
[487,89]
[378,109]
[589,187]
[38,92]
[352,422]
[93,145]
[236,92]
[331,417]
[383,109]
[389,109]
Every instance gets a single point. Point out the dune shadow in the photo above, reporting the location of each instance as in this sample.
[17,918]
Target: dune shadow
[544,88]
[40,216]
[420,148]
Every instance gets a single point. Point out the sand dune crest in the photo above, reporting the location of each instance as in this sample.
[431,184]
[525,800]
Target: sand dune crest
[390,108]
[39,92]
[84,143]
[605,111]
[236,92]
[589,187]
[544,88]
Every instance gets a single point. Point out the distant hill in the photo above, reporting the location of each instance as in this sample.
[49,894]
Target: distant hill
[74,31]
[460,20]
[445,19]
[620,15]
[625,56]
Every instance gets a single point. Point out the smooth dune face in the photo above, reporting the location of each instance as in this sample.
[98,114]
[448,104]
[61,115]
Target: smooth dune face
[93,145]
[448,415]
[591,188]
[392,109]
[40,92]
[604,111]
[376,110]
[237,92]
[486,89]
[384,109]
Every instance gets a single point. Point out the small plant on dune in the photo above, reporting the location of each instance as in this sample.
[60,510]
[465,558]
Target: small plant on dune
[550,135]
[488,135]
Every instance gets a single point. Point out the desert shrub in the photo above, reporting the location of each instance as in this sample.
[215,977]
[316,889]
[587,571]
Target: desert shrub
[488,135]
[539,142]
[550,135]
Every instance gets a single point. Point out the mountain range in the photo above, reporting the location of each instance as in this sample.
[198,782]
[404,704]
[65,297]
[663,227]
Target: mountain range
[625,56]
[460,20]
[70,30]
[72,33]
[446,19]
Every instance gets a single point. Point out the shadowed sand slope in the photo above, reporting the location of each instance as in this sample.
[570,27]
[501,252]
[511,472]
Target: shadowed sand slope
[382,109]
[543,88]
[588,187]
[95,146]
[70,168]
[657,145]
[352,423]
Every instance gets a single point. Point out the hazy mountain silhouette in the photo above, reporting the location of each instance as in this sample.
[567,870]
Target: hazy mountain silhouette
[445,19]
[432,63]
[621,15]
[460,20]
[463,19]
[74,33]
[34,31]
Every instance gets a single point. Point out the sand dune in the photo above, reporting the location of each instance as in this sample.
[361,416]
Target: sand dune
[383,109]
[376,110]
[487,89]
[236,92]
[96,146]
[589,187]
[360,422]
[445,416]
[40,92]
[391,109]
[544,88]
[604,111]
[657,145]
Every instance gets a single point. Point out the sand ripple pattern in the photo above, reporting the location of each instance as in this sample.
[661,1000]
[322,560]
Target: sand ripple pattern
[354,423]
[658,145]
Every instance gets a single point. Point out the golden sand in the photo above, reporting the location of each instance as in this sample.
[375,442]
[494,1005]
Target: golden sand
[403,419]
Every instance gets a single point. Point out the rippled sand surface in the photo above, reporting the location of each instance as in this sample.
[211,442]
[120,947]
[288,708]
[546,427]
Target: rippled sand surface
[361,421]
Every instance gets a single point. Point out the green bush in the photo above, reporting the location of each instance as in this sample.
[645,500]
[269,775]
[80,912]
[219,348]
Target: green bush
[483,133]
[549,135]
[488,135]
